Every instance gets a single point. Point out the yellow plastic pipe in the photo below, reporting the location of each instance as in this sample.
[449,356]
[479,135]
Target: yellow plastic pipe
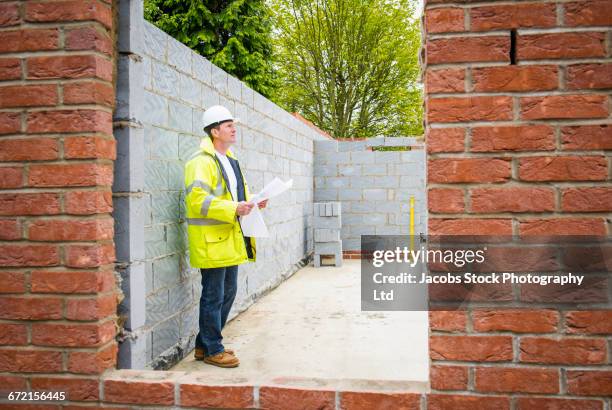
[411,224]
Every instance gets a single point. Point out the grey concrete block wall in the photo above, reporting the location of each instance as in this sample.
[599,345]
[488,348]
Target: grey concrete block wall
[374,186]
[164,89]
[128,200]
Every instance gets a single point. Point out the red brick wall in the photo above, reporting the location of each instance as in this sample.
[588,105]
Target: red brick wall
[519,134]
[58,293]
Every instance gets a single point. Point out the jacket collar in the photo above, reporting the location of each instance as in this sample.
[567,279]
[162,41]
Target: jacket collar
[207,147]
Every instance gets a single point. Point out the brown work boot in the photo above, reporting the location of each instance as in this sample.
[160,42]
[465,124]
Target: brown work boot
[222,359]
[199,353]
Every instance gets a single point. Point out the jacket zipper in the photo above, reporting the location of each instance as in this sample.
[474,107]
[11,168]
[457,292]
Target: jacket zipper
[232,196]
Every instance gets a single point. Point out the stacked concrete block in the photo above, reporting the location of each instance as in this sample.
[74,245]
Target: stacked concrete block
[327,235]
[327,224]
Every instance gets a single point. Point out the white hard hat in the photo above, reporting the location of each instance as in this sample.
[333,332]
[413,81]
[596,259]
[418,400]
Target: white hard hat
[215,115]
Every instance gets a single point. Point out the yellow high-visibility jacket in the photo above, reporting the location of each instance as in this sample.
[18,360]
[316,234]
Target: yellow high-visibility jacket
[215,235]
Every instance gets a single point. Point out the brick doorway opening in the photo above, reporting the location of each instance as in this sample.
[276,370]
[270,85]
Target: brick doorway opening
[531,124]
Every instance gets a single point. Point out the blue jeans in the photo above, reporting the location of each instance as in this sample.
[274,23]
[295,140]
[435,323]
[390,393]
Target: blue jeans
[219,286]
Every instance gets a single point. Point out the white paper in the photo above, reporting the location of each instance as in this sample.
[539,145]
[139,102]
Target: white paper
[274,188]
[253,223]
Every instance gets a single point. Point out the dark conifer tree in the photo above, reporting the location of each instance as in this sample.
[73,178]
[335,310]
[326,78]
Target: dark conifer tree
[235,35]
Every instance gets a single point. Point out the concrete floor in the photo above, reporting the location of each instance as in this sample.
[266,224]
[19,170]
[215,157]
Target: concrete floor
[310,332]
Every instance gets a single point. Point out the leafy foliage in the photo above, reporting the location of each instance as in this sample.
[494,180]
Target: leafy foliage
[350,66]
[235,35]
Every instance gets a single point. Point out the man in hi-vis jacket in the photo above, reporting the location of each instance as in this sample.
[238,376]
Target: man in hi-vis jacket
[216,195]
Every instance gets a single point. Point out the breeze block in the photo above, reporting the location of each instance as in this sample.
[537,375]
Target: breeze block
[327,224]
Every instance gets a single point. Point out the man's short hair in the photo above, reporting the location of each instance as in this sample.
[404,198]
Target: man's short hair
[215,125]
[209,129]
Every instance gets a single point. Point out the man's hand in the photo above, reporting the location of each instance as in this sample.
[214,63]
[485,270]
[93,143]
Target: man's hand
[244,208]
[262,204]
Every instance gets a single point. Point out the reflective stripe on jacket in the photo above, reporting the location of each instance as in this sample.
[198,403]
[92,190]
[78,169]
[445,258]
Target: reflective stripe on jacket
[215,235]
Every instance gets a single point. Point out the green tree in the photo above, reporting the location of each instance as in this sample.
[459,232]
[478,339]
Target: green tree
[350,66]
[235,35]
